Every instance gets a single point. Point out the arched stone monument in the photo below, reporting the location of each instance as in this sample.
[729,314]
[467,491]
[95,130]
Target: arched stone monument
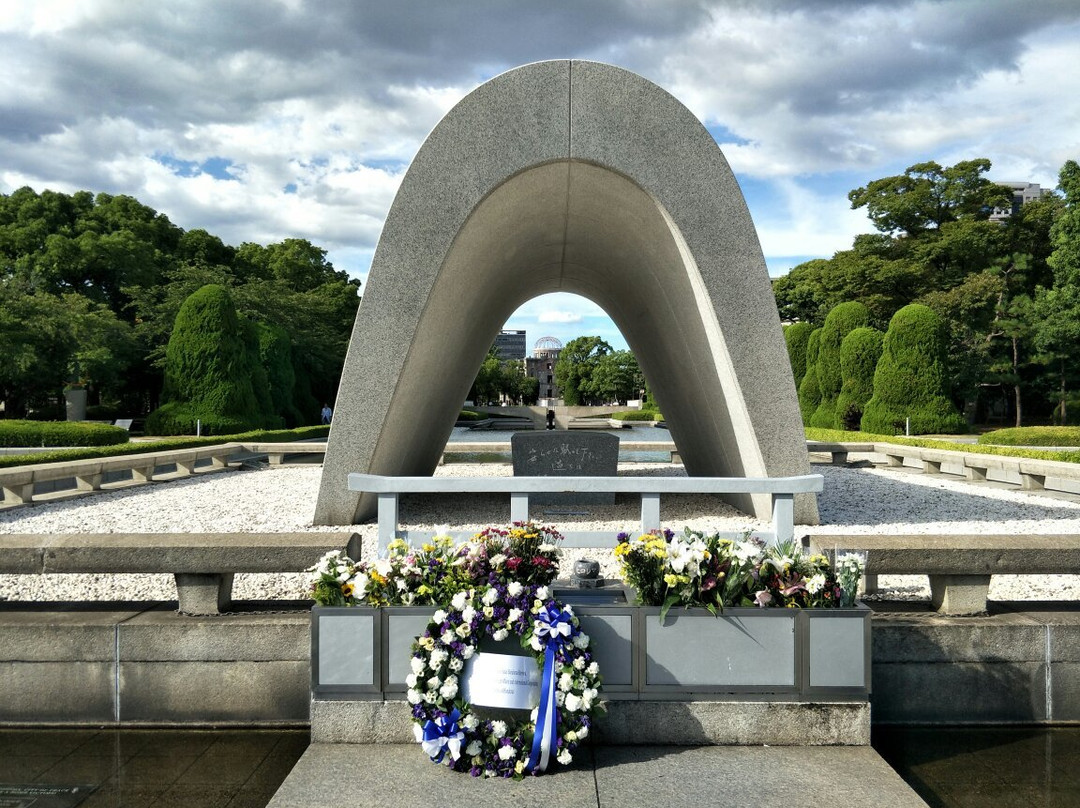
[576,177]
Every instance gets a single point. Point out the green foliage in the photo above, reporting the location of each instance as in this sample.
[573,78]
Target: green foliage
[1033,436]
[101,279]
[576,367]
[838,324]
[275,353]
[859,355]
[15,433]
[471,415]
[212,372]
[143,447]
[796,336]
[637,415]
[809,391]
[911,380]
[927,196]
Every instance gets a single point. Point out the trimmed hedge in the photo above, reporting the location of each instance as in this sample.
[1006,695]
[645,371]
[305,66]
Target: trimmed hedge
[213,375]
[1033,436]
[796,336]
[911,381]
[639,415]
[809,391]
[144,447]
[16,433]
[841,321]
[859,355]
[841,436]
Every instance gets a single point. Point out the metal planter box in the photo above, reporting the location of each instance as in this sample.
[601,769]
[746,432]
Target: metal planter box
[792,654]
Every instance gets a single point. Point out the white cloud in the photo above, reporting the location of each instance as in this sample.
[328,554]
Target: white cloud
[564,317]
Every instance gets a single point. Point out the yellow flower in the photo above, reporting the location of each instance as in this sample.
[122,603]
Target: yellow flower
[428,548]
[347,590]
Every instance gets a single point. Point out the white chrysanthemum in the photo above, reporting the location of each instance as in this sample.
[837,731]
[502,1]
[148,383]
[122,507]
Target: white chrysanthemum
[411,680]
[360,585]
[490,596]
[459,600]
[439,616]
[582,732]
[593,669]
[565,758]
[417,665]
[572,702]
[438,657]
[514,588]
[468,614]
[514,615]
[467,652]
[497,560]
[456,664]
[474,748]
[547,547]
[384,567]
[579,663]
[470,722]
[581,640]
[448,637]
[543,593]
[449,689]
[535,644]
[566,681]
[507,753]
[815,583]
[433,682]
[413,697]
[500,634]
[498,728]
[560,698]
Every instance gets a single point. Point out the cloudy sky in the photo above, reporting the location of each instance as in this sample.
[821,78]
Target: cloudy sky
[260,120]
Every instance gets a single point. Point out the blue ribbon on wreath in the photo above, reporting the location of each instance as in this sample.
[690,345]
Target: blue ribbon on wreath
[443,734]
[555,628]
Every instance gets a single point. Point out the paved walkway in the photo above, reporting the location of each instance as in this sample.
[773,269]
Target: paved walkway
[390,775]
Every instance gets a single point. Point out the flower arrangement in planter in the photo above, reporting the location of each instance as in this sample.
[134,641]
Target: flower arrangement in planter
[693,569]
[433,573]
[493,587]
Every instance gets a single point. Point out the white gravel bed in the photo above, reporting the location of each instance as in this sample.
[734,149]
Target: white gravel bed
[282,499]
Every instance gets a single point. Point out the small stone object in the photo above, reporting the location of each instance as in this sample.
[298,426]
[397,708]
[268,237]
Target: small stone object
[586,574]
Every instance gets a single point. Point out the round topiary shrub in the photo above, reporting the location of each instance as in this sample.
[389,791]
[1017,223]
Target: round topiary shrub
[809,392]
[859,355]
[211,370]
[841,321]
[911,380]
[796,336]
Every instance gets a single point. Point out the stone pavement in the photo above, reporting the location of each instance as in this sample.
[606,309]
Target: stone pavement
[390,775]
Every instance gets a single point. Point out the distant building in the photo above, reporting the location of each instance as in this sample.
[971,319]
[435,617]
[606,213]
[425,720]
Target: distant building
[1023,192]
[541,366]
[510,345]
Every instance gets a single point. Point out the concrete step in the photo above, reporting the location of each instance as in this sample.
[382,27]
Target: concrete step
[391,775]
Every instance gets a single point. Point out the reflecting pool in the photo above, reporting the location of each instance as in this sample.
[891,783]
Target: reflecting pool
[130,768]
[997,767]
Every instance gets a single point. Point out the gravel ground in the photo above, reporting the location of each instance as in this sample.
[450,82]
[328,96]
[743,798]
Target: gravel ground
[281,499]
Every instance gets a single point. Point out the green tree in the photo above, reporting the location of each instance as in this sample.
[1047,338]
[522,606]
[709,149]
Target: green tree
[927,196]
[576,366]
[841,321]
[859,355]
[212,371]
[617,377]
[1057,309]
[911,378]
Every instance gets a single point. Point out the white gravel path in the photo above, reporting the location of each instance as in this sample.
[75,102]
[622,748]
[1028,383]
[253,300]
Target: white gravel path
[281,499]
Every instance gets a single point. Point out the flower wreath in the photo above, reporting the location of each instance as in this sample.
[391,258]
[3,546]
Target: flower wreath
[445,724]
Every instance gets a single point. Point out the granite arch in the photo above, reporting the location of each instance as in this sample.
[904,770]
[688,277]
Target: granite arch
[579,177]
